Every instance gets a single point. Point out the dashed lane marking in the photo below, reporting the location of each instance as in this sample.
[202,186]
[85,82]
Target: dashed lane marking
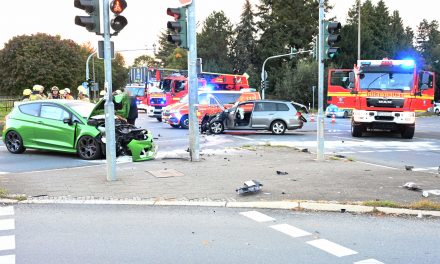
[7,210]
[332,248]
[7,242]
[257,216]
[245,138]
[369,261]
[7,224]
[425,169]
[366,151]
[7,259]
[290,230]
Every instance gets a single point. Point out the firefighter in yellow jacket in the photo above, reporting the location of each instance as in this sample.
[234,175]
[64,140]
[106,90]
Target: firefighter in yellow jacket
[82,94]
[36,93]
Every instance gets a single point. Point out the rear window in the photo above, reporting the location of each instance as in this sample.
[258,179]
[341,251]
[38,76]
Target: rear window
[227,98]
[30,109]
[282,107]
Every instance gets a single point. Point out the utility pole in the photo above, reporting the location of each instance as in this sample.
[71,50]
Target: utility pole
[359,30]
[110,145]
[320,131]
[194,134]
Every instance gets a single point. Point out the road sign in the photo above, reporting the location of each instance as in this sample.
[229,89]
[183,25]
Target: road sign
[185,2]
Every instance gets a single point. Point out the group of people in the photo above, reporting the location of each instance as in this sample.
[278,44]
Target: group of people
[37,93]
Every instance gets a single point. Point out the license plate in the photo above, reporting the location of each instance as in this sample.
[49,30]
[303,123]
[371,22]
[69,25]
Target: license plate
[384,114]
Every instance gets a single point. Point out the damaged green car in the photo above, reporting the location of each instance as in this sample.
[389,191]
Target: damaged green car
[74,126]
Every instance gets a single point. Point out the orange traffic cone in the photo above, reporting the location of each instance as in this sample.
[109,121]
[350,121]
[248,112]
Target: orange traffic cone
[333,118]
[312,118]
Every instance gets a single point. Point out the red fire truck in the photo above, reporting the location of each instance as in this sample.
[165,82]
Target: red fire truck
[383,94]
[175,86]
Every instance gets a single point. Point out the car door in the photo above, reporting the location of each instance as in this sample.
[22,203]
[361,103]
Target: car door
[28,122]
[51,131]
[263,114]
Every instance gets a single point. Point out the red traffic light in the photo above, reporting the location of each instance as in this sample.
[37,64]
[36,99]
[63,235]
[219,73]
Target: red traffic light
[175,12]
[117,6]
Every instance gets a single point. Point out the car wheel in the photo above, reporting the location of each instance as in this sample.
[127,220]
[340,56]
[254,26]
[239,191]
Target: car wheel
[278,127]
[216,127]
[356,130]
[88,148]
[159,119]
[345,114]
[437,111]
[14,143]
[184,122]
[407,132]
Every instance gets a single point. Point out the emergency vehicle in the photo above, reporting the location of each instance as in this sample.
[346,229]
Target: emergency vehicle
[175,86]
[383,94]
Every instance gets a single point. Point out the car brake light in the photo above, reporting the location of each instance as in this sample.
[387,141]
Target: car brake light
[298,114]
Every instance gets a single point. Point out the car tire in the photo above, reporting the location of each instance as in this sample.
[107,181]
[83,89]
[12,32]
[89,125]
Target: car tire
[184,122]
[216,127]
[356,130]
[14,142]
[437,111]
[278,127]
[407,132]
[88,148]
[345,114]
[159,119]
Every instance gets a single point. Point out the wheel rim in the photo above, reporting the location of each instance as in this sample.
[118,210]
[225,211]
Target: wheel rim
[278,128]
[13,141]
[186,122]
[87,147]
[216,127]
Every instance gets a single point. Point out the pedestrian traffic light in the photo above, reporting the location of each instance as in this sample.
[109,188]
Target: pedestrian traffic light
[293,52]
[118,22]
[177,30]
[331,37]
[91,22]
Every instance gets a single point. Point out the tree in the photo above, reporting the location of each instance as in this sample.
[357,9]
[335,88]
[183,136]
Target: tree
[244,45]
[178,59]
[40,59]
[214,43]
[166,53]
[145,60]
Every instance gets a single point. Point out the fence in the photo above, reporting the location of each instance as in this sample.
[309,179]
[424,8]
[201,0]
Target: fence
[7,102]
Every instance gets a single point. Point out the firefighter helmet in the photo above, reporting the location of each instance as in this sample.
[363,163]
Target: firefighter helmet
[67,90]
[38,87]
[54,88]
[27,92]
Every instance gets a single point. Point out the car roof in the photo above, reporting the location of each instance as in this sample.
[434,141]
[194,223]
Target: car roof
[58,101]
[266,101]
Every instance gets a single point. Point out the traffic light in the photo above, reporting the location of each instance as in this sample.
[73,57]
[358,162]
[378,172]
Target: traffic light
[331,37]
[91,22]
[293,52]
[177,30]
[118,22]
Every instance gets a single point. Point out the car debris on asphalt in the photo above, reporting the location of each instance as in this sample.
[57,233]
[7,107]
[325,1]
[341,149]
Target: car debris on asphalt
[412,186]
[428,192]
[282,172]
[250,187]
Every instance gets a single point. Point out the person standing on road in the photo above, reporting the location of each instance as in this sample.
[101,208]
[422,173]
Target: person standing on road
[54,93]
[82,94]
[67,95]
[26,94]
[43,96]
[36,93]
[133,112]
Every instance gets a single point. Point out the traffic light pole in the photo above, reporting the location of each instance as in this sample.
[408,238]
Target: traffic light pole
[110,145]
[320,132]
[87,65]
[193,85]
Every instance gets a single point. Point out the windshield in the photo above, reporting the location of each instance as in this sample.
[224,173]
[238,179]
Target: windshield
[82,108]
[165,85]
[135,91]
[223,98]
[386,81]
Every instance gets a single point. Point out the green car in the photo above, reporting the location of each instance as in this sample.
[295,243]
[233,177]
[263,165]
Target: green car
[74,126]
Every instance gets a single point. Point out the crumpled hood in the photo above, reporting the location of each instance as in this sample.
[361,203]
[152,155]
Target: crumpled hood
[121,103]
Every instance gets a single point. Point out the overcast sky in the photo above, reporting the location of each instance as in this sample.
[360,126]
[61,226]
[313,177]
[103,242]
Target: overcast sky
[146,18]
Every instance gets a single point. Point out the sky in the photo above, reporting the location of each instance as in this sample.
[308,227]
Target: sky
[146,19]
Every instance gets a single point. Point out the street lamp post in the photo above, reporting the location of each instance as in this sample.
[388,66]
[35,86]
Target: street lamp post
[359,30]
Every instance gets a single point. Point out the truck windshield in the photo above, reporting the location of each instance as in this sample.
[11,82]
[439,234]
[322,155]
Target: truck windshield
[135,91]
[165,85]
[402,81]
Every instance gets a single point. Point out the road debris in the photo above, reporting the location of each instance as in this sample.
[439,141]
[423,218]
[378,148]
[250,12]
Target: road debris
[428,192]
[282,172]
[412,186]
[409,168]
[250,187]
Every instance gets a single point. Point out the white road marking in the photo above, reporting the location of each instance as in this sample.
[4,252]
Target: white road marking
[3,172]
[7,242]
[377,165]
[425,169]
[8,259]
[346,152]
[6,210]
[366,151]
[7,224]
[245,138]
[401,150]
[257,216]
[332,248]
[368,261]
[384,150]
[290,230]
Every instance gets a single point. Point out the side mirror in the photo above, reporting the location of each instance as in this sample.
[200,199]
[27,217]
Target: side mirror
[68,121]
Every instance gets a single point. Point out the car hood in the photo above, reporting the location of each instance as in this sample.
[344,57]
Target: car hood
[121,104]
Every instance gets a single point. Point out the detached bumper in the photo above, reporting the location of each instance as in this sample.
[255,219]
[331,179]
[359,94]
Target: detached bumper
[142,150]
[403,118]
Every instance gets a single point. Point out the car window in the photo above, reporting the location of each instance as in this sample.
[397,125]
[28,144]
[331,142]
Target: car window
[179,86]
[282,107]
[227,98]
[269,107]
[203,99]
[30,109]
[53,112]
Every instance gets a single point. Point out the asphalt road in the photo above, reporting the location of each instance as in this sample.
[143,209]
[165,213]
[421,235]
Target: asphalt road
[422,152]
[146,234]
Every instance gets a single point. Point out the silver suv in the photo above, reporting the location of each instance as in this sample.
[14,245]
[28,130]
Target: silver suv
[273,115]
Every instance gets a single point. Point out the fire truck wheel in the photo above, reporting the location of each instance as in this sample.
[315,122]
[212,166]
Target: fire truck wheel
[159,119]
[407,132]
[345,114]
[356,130]
[184,122]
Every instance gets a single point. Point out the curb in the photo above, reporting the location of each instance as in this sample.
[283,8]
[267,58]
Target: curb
[284,205]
